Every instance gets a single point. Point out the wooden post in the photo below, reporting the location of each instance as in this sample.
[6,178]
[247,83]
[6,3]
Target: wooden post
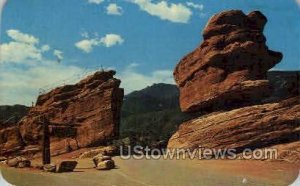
[46,141]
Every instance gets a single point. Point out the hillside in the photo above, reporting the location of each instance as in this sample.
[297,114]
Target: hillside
[12,114]
[151,114]
[285,84]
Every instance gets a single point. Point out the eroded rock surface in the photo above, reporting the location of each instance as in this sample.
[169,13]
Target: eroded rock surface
[10,137]
[80,115]
[229,67]
[252,127]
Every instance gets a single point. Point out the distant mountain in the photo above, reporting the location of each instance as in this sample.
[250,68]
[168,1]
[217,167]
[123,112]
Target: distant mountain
[157,97]
[284,83]
[152,114]
[12,114]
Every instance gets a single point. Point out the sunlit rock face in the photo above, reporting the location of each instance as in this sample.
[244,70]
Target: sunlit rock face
[80,115]
[226,77]
[229,67]
[273,125]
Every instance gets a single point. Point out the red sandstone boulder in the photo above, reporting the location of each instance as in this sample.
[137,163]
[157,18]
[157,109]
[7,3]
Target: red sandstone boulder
[80,115]
[10,140]
[229,67]
[274,125]
[66,166]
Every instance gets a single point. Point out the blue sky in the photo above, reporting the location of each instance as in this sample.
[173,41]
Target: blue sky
[142,39]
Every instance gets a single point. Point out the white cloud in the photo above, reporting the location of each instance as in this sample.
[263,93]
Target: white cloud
[133,80]
[86,45]
[24,69]
[114,9]
[21,37]
[96,1]
[195,6]
[85,34]
[22,49]
[108,40]
[58,54]
[21,85]
[177,13]
[298,2]
[45,48]
[16,52]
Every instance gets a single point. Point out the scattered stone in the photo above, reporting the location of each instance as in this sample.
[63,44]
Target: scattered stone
[49,168]
[108,150]
[2,158]
[100,158]
[19,162]
[12,162]
[24,164]
[106,165]
[66,166]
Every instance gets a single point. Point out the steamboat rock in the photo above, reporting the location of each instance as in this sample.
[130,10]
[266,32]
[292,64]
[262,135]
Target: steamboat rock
[80,115]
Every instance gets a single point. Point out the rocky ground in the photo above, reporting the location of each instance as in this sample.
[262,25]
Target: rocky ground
[160,172]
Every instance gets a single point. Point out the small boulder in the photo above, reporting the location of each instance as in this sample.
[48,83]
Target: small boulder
[2,158]
[66,166]
[49,168]
[97,159]
[24,163]
[108,150]
[12,162]
[19,162]
[106,165]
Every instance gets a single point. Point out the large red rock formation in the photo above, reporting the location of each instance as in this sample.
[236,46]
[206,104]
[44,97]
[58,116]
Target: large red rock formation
[10,139]
[80,115]
[229,67]
[267,125]
[228,71]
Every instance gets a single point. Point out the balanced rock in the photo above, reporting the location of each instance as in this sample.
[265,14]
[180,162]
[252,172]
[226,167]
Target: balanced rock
[80,115]
[105,165]
[229,67]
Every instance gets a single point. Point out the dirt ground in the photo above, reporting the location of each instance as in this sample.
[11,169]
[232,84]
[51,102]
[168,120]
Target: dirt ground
[160,172]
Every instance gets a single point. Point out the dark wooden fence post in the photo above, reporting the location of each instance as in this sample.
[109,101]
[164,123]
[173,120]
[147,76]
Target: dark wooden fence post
[46,141]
